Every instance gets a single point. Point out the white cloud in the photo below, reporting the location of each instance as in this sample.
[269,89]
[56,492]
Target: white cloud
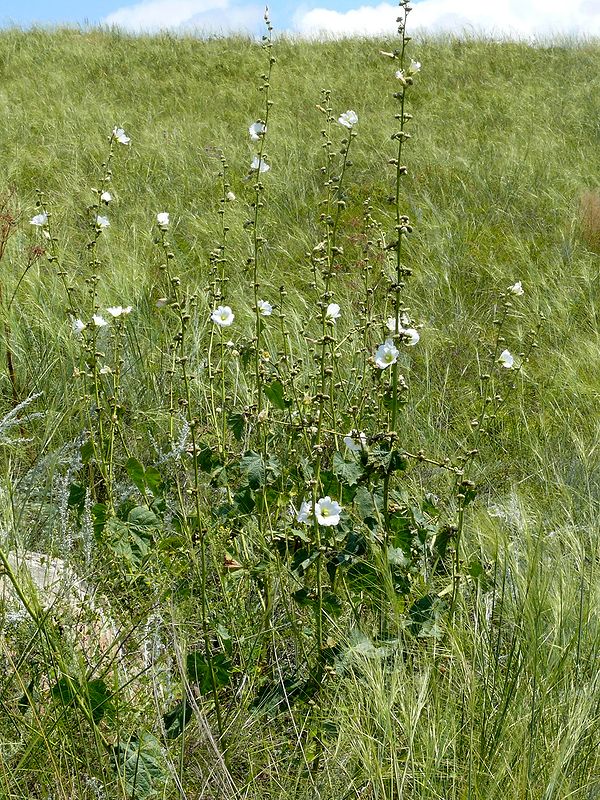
[515,18]
[214,16]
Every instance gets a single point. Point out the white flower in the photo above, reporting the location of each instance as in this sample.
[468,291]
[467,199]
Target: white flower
[348,119]
[411,336]
[223,316]
[230,197]
[162,219]
[78,326]
[386,354]
[327,511]
[102,222]
[117,311]
[265,309]
[355,441]
[99,321]
[415,66]
[105,370]
[333,312]
[162,302]
[305,513]
[517,289]
[106,197]
[259,164]
[506,359]
[404,323]
[256,130]
[120,135]
[401,76]
[39,220]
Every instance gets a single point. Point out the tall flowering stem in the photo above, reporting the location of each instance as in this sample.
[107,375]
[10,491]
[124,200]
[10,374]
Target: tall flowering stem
[402,226]
[323,265]
[216,289]
[113,375]
[491,402]
[99,221]
[258,132]
[182,305]
[52,251]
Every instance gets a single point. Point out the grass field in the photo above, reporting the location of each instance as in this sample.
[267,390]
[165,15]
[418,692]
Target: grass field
[244,606]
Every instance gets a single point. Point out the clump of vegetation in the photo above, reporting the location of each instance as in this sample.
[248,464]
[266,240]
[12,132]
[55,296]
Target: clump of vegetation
[260,530]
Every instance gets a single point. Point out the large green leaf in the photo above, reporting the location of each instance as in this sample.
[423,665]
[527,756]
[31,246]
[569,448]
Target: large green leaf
[276,395]
[347,471]
[100,698]
[141,764]
[254,466]
[198,669]
[142,517]
[177,718]
[135,470]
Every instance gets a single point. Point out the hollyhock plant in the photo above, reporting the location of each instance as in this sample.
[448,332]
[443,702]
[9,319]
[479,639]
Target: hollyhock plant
[333,312]
[257,130]
[516,289]
[355,441]
[386,354]
[348,119]
[223,316]
[40,220]
[259,164]
[120,136]
[327,511]
[118,311]
[265,309]
[305,512]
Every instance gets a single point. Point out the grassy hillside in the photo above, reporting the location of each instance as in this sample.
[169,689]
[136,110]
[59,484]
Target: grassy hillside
[445,644]
[504,145]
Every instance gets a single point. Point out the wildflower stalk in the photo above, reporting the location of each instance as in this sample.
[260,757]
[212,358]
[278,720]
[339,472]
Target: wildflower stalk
[323,257]
[181,306]
[95,423]
[218,263]
[114,405]
[258,241]
[402,228]
[52,254]
[491,403]
[97,222]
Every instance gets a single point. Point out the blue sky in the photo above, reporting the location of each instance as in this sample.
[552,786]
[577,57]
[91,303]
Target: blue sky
[336,17]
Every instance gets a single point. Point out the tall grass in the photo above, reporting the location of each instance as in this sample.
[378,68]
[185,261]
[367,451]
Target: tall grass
[200,629]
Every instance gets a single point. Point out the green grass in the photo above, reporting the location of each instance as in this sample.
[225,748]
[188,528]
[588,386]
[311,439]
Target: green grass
[501,698]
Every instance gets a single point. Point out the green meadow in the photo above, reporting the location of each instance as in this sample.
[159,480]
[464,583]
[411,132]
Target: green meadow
[300,483]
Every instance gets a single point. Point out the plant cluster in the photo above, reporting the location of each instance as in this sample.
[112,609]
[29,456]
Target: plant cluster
[269,500]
